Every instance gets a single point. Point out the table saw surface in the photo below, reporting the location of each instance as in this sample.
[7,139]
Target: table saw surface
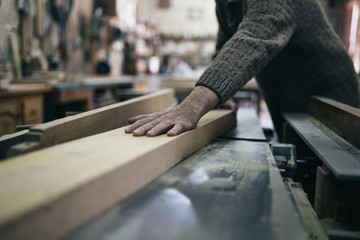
[229,189]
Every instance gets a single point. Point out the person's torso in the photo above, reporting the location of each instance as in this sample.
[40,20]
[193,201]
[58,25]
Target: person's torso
[314,61]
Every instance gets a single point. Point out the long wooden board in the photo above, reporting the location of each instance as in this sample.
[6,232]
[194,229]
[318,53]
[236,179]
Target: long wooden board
[47,193]
[92,122]
[341,118]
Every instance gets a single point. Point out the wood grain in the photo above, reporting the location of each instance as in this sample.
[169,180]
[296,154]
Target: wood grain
[341,118]
[92,122]
[47,193]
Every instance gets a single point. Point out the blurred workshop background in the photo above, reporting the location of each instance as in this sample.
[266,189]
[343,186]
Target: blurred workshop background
[59,58]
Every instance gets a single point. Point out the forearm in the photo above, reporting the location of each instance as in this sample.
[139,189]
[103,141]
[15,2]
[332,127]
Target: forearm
[264,31]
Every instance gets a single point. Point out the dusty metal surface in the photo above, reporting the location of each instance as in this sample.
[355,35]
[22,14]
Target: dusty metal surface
[226,190]
[342,158]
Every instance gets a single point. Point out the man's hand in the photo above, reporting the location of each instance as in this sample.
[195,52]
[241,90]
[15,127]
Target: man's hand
[174,121]
[230,104]
[178,119]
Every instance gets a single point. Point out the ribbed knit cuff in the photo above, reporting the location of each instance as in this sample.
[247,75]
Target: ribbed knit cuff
[218,82]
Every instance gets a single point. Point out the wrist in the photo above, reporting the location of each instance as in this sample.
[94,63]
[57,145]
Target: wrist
[201,100]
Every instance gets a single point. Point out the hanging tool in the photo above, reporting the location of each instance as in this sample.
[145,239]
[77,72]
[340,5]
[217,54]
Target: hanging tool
[60,12]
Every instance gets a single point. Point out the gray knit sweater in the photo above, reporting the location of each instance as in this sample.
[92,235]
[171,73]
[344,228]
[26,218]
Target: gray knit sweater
[289,46]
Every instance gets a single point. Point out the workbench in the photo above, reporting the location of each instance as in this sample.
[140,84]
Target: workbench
[35,101]
[85,94]
[21,104]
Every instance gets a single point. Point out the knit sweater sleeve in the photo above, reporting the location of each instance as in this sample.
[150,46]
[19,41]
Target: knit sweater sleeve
[264,31]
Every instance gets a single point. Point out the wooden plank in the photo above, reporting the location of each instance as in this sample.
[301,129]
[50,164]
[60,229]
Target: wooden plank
[341,118]
[338,155]
[47,193]
[226,190]
[92,122]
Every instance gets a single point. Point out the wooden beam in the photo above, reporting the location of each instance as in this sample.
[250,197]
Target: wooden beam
[47,193]
[92,122]
[341,118]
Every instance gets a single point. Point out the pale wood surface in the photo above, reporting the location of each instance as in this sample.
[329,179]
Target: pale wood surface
[93,122]
[47,193]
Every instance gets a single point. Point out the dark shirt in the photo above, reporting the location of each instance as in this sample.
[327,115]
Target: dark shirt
[288,46]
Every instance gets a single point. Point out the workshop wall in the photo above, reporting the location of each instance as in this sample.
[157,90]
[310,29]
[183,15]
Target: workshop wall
[186,18]
[8,15]
[73,59]
[175,19]
[79,36]
[37,36]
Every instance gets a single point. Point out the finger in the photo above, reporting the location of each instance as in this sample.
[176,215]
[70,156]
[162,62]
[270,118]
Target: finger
[160,128]
[131,128]
[177,129]
[151,115]
[137,118]
[142,130]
